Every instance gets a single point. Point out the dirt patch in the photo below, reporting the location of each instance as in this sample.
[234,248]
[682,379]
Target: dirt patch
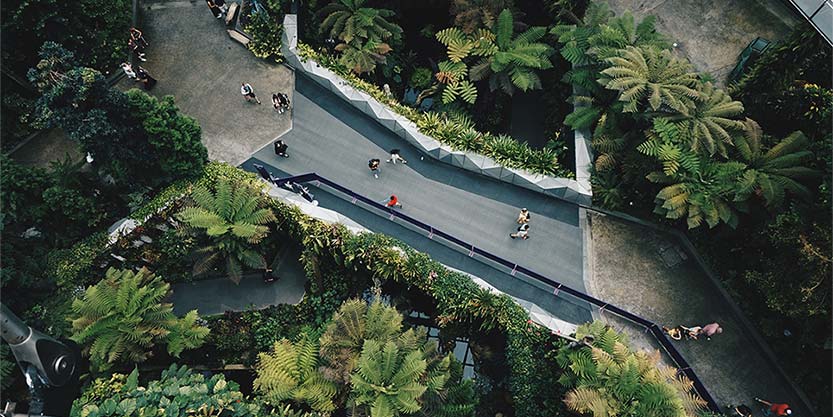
[644,272]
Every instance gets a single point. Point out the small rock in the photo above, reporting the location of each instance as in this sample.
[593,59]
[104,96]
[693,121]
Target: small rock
[146,239]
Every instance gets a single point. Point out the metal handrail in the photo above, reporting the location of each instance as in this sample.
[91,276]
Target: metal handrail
[655,329]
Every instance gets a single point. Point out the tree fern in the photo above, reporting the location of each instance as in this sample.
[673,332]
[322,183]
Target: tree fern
[712,121]
[234,219]
[510,61]
[775,171]
[289,372]
[607,379]
[651,80]
[349,22]
[121,318]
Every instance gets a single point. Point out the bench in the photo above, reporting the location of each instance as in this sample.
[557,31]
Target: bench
[239,37]
[232,10]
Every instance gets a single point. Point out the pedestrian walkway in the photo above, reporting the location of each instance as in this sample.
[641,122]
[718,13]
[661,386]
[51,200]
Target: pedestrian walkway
[216,296]
[335,140]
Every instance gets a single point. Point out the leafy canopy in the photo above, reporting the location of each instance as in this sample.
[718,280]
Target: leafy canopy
[233,219]
[120,319]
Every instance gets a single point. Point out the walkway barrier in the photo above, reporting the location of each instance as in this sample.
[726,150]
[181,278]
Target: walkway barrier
[557,289]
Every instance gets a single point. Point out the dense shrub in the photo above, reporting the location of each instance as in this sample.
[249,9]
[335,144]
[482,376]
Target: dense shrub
[266,35]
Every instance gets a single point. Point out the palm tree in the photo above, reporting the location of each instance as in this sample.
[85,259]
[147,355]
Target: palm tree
[289,372]
[361,58]
[348,21]
[352,324]
[711,122]
[648,79]
[122,317]
[512,60]
[608,379]
[391,379]
[234,219]
[770,173]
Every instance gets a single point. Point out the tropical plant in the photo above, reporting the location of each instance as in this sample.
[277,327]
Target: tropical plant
[608,379]
[290,372]
[513,59]
[179,392]
[362,57]
[348,21]
[772,172]
[352,324]
[266,36]
[234,219]
[711,122]
[174,138]
[698,189]
[390,379]
[651,80]
[470,15]
[121,318]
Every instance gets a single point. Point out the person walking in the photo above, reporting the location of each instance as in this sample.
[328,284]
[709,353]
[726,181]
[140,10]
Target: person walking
[395,156]
[373,164]
[280,148]
[283,100]
[248,92]
[711,329]
[776,409]
[523,216]
[147,80]
[221,4]
[523,232]
[276,103]
[128,70]
[215,10]
[393,202]
[138,37]
[137,50]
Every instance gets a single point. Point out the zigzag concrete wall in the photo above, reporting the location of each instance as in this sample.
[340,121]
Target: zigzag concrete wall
[577,191]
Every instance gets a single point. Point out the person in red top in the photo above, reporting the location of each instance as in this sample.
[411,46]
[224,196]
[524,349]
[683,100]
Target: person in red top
[393,202]
[776,409]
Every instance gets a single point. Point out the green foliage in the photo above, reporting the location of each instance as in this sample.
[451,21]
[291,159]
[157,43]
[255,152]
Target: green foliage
[175,138]
[349,22]
[421,78]
[773,172]
[94,29]
[512,61]
[712,121]
[266,36]
[464,90]
[179,392]
[352,324]
[8,366]
[122,317]
[289,372]
[651,80]
[71,267]
[234,219]
[388,378]
[608,379]
[470,15]
[363,57]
